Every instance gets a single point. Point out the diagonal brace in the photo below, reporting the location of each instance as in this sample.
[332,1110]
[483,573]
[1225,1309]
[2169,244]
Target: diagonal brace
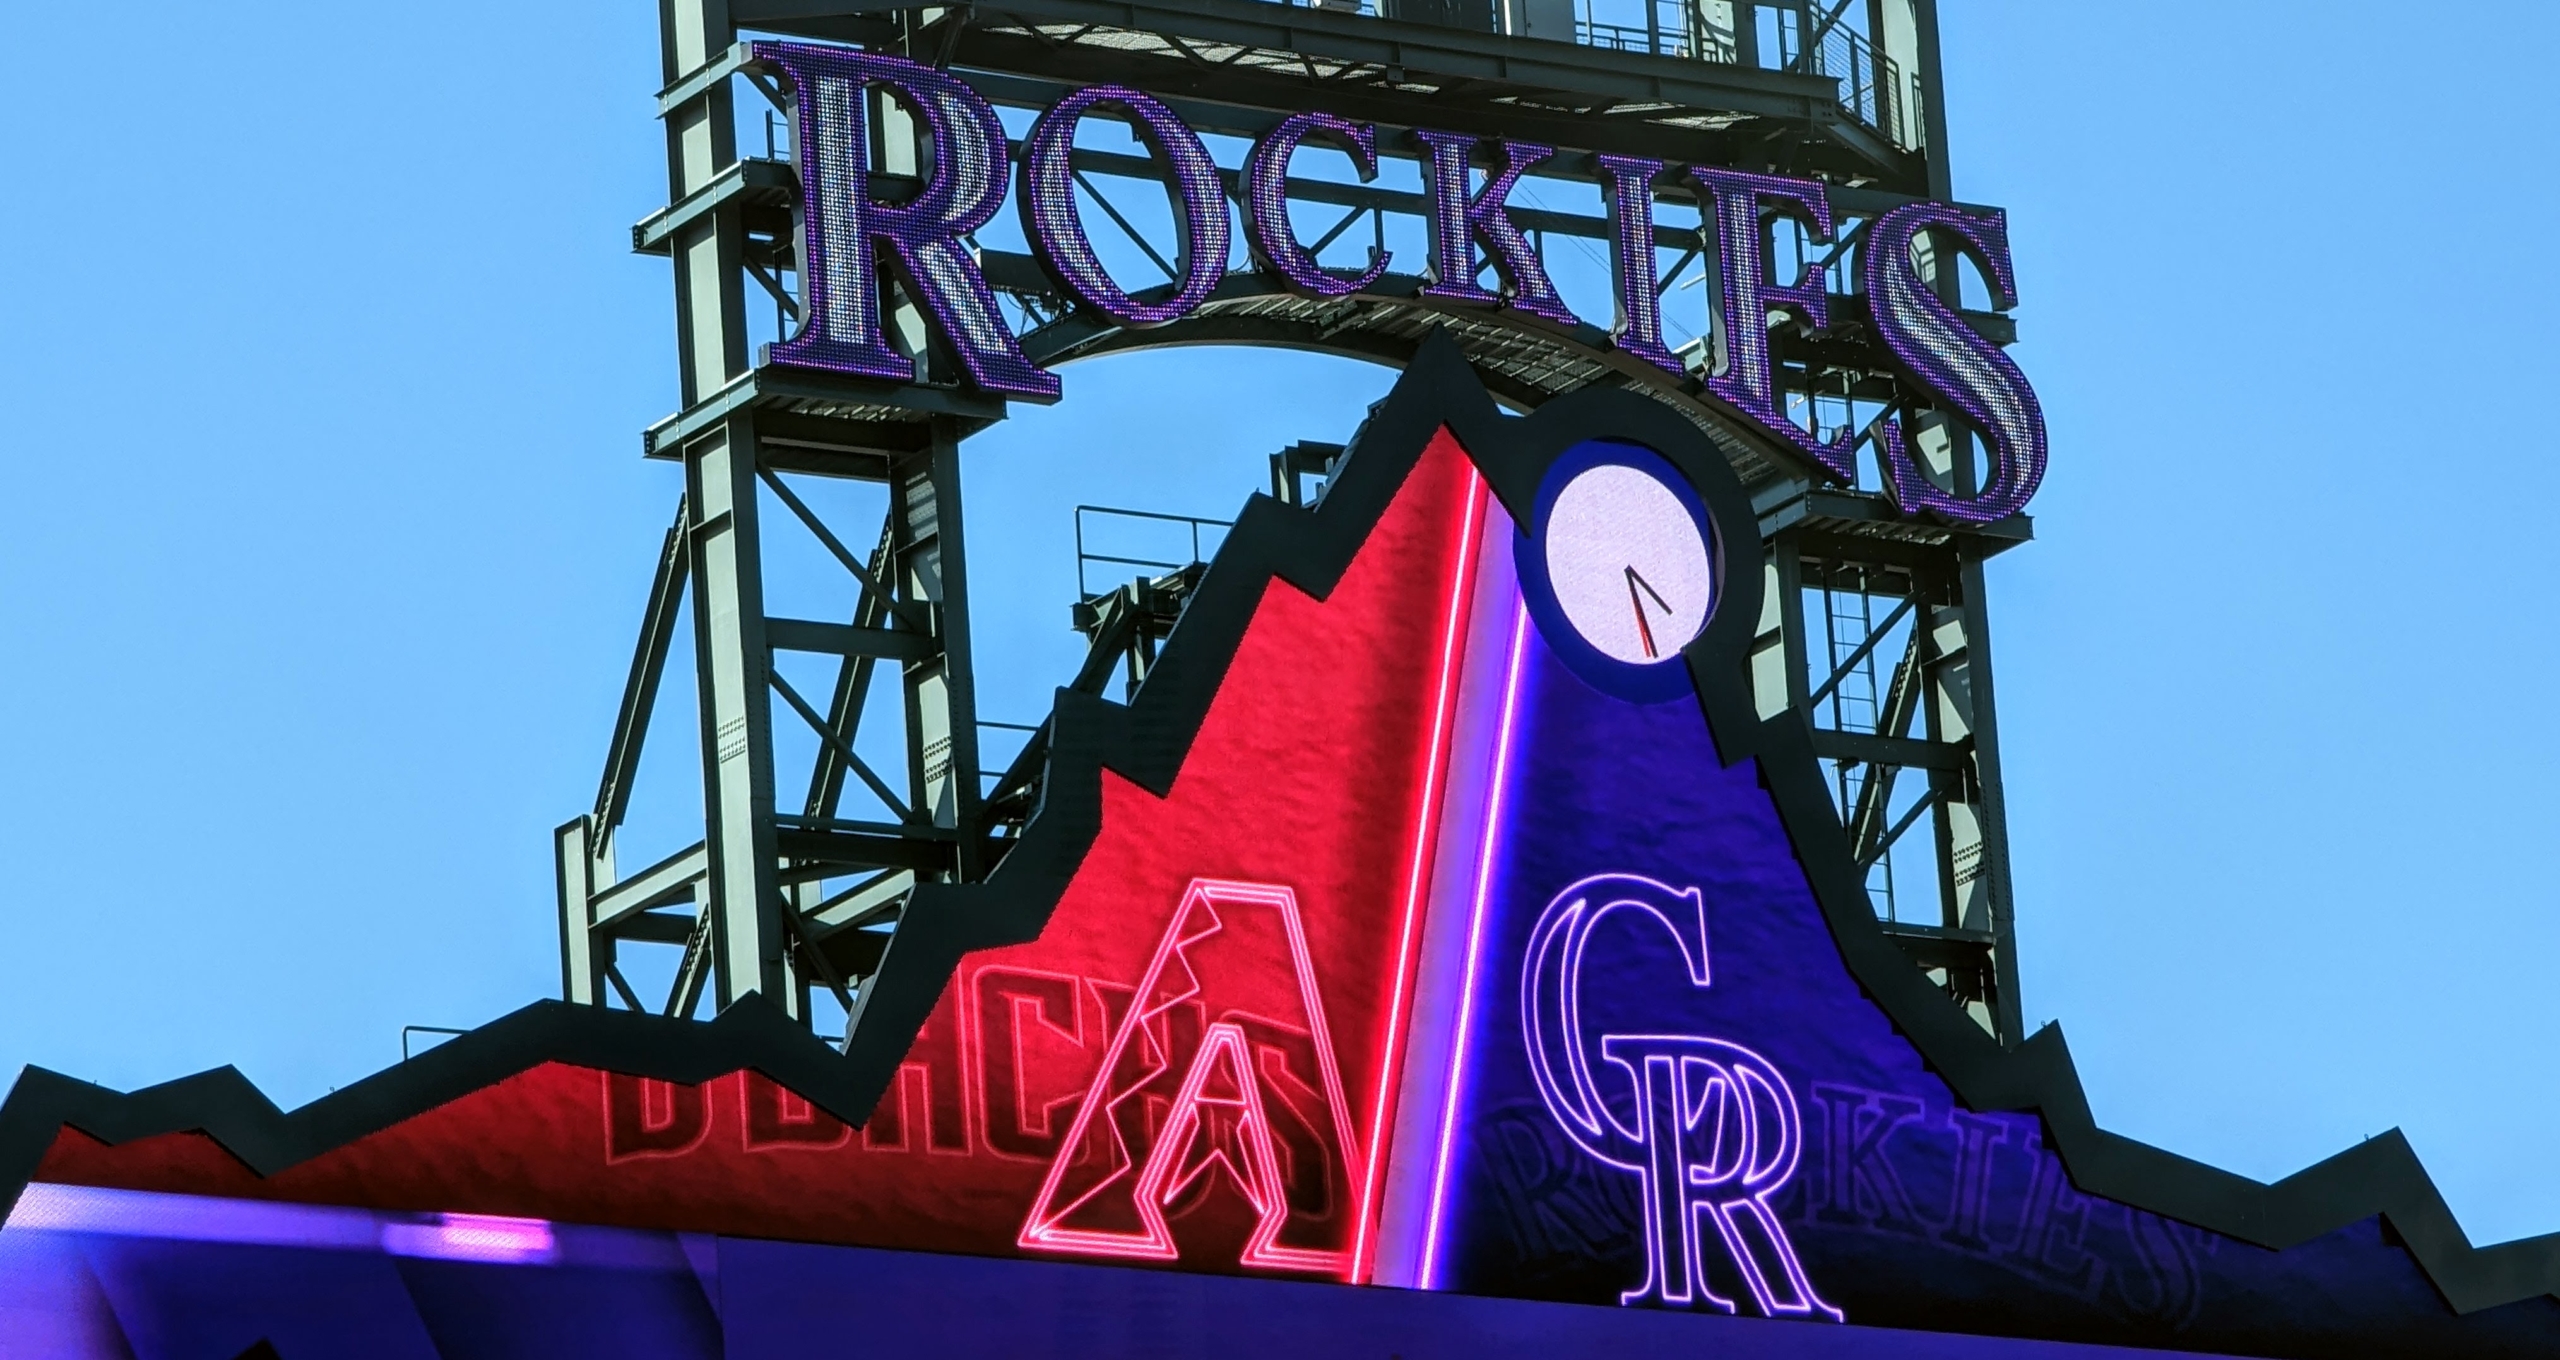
[844,556]
[1859,654]
[818,724]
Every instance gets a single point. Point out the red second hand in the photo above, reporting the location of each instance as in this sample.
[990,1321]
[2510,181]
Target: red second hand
[1643,630]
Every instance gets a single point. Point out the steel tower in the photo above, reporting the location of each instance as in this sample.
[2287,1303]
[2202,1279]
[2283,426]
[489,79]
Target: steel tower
[1875,631]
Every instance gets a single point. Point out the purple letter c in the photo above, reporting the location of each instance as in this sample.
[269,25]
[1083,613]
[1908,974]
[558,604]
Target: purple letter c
[1266,199]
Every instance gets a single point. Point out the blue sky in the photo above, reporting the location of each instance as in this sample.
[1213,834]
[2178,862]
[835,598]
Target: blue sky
[326,364]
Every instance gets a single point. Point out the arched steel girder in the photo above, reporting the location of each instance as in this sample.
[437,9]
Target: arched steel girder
[1521,360]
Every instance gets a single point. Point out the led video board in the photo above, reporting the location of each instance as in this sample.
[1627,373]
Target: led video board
[1441,929]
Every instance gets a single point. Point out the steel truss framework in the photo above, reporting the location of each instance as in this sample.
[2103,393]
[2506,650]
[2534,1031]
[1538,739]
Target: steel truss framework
[1874,630]
[2372,1199]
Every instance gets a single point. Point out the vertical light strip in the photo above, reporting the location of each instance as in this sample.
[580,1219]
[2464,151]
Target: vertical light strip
[1429,1278]
[1426,820]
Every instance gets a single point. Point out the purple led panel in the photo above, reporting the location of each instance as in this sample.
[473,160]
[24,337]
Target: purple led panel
[99,1274]
[1948,359]
[89,1274]
[1714,1131]
[1665,1089]
[848,235]
[1732,199]
[1267,226]
[1056,229]
[1630,181]
[1459,222]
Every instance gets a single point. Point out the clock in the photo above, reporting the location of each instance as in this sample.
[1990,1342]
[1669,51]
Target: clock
[1621,569]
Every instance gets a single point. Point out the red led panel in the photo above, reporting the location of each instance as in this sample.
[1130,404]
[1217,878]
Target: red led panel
[1189,1066]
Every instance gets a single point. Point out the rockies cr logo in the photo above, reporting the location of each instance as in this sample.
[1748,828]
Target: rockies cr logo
[1711,1126]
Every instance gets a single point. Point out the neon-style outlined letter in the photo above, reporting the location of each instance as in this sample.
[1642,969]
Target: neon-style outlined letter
[1715,1130]
[1176,1099]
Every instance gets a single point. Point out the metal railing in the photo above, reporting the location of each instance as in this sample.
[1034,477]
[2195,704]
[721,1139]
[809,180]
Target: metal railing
[443,1033]
[1086,557]
[1873,88]
[1698,40]
[1671,28]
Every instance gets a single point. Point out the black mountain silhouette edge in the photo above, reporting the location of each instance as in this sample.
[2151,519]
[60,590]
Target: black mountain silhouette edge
[1146,741]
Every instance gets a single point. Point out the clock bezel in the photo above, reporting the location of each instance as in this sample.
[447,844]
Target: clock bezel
[1639,681]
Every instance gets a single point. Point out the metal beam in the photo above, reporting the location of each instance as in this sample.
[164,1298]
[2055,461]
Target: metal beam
[941,693]
[1989,803]
[763,919]
[1242,101]
[582,965]
[893,849]
[866,575]
[843,639]
[1868,836]
[1884,841]
[1326,41]
[733,665]
[658,927]
[1867,748]
[1819,31]
[669,880]
[762,182]
[640,689]
[1859,653]
[866,903]
[852,689]
[757,394]
[843,748]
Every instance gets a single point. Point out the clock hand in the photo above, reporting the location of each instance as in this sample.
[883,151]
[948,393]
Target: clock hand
[1637,578]
[1644,630]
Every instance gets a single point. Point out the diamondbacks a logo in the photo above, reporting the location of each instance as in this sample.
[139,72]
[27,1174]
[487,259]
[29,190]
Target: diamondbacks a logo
[1710,1126]
[1220,1078]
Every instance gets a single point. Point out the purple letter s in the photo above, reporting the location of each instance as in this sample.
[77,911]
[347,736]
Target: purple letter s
[1945,358]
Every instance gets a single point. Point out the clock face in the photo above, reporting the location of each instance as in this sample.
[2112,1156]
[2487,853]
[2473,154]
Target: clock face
[1628,561]
[1619,568]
